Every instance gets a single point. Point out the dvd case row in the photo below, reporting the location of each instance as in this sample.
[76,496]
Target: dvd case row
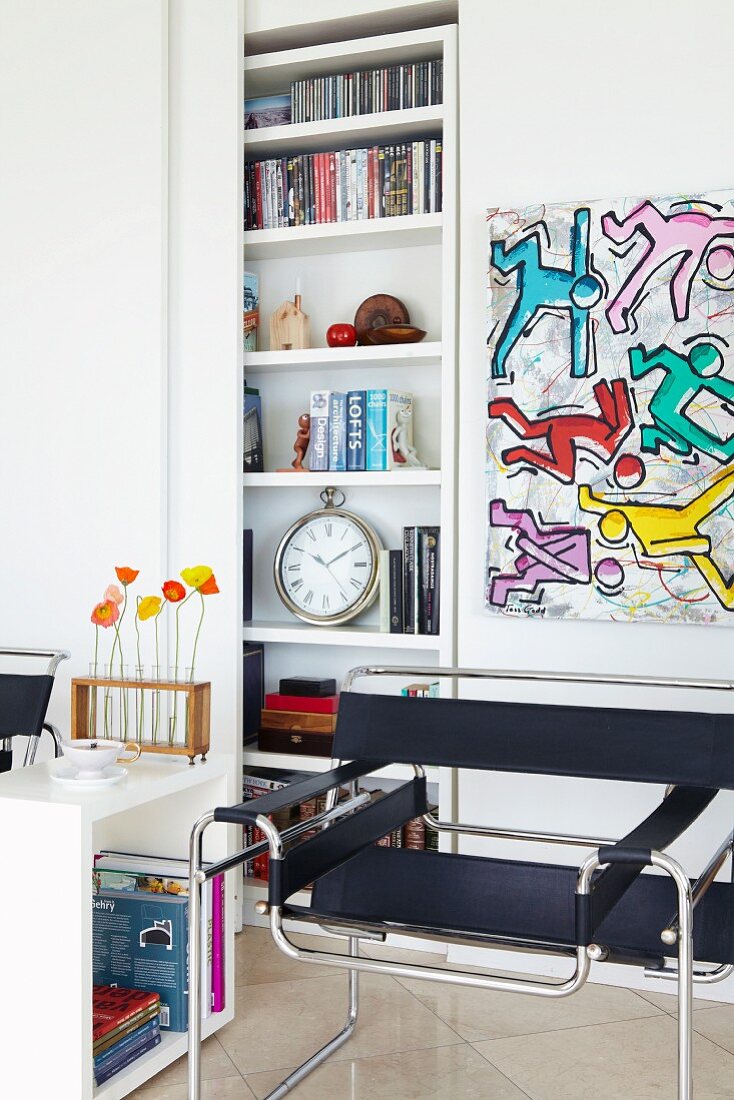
[395,88]
[383,181]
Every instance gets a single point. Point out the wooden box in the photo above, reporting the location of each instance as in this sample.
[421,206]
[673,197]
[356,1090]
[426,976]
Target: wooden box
[139,703]
[306,742]
[297,720]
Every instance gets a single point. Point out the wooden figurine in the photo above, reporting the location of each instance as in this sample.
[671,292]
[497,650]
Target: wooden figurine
[300,446]
[290,327]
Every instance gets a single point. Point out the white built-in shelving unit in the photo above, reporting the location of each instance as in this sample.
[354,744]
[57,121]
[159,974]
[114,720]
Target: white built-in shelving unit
[339,265]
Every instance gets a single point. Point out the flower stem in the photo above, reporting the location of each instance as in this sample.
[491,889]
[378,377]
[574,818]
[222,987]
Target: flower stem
[123,692]
[139,697]
[157,694]
[172,728]
[196,637]
[93,707]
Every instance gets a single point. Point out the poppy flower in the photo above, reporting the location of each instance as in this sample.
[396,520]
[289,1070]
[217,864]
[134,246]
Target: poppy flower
[148,607]
[112,592]
[125,574]
[174,591]
[196,576]
[105,613]
[209,588]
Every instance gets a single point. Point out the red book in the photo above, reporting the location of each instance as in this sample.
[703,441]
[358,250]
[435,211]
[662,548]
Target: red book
[305,704]
[322,188]
[317,187]
[112,1006]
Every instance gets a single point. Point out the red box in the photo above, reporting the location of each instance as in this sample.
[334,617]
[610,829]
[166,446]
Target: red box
[306,704]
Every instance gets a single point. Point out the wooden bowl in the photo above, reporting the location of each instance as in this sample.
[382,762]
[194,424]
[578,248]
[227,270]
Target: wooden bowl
[394,334]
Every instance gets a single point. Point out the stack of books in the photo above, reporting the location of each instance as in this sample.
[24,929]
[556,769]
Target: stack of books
[125,1025]
[410,583]
[356,431]
[143,900]
[396,88]
[257,782]
[383,181]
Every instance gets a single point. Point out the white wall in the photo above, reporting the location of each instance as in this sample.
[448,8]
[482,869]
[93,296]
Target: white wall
[82,309]
[576,101]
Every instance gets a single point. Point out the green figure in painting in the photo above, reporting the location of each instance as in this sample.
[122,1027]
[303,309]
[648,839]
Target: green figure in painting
[686,377]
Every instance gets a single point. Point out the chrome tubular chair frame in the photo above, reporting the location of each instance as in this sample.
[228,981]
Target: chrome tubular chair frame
[55,657]
[679,929]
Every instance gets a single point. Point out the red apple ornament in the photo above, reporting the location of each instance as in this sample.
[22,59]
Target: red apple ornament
[341,335]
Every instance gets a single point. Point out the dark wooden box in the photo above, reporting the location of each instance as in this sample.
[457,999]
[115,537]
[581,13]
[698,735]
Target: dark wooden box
[305,742]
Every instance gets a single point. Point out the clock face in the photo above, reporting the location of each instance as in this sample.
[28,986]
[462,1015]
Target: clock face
[326,567]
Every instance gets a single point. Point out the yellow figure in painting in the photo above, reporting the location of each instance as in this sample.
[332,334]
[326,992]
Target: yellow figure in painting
[668,529]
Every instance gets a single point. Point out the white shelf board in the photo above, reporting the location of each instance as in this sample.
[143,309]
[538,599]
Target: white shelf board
[309,359]
[173,1045]
[363,636]
[395,479]
[254,758]
[272,73]
[354,132]
[407,230]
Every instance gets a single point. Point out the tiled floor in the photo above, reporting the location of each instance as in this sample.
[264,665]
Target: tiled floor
[416,1041]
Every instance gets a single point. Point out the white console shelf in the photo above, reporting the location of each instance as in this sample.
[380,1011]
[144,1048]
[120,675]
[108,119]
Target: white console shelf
[46,1021]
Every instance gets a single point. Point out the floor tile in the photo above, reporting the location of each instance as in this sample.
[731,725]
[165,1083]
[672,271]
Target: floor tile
[669,1001]
[226,1088]
[214,1064]
[258,961]
[717,1024]
[444,1073]
[635,1060]
[280,1025]
[478,1014]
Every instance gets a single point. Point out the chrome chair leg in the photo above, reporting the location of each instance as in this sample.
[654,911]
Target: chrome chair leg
[196,881]
[685,973]
[339,1040]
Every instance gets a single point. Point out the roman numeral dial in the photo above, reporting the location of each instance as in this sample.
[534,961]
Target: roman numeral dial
[326,567]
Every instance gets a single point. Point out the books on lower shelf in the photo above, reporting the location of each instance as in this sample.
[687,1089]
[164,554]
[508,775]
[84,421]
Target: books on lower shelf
[349,185]
[140,932]
[125,1025]
[357,430]
[410,583]
[343,95]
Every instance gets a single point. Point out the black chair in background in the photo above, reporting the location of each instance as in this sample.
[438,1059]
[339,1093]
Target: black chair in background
[24,699]
[606,910]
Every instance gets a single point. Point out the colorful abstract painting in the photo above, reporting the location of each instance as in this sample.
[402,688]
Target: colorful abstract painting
[610,435]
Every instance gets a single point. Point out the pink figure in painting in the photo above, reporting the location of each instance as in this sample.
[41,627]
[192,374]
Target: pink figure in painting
[549,554]
[683,237]
[566,434]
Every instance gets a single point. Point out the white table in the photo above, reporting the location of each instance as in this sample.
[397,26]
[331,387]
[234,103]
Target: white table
[49,834]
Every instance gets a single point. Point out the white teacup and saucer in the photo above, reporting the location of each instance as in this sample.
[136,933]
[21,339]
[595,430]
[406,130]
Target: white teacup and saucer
[94,762]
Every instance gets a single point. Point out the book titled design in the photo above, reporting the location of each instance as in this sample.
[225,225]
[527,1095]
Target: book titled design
[337,431]
[318,451]
[356,401]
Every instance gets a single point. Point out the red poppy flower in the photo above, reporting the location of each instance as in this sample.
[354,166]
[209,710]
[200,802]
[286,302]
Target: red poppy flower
[209,587]
[125,574]
[105,613]
[174,591]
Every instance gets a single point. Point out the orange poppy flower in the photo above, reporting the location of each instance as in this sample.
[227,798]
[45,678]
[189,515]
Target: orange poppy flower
[209,587]
[125,574]
[173,591]
[105,613]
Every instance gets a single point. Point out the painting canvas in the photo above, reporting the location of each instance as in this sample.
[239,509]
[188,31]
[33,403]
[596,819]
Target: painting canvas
[610,431]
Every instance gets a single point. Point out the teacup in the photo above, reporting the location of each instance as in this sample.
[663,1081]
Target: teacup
[90,758]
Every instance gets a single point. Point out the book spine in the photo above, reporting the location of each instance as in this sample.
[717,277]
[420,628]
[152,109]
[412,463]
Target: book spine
[376,430]
[384,567]
[439,175]
[333,208]
[338,431]
[398,401]
[218,942]
[132,1056]
[414,834]
[128,1042]
[356,401]
[318,451]
[395,580]
[432,206]
[409,580]
[281,191]
[429,558]
[259,196]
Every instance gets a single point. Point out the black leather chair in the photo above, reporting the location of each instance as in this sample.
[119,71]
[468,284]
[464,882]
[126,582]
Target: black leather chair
[24,699]
[606,910]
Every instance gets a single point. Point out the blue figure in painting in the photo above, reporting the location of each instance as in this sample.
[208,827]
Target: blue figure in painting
[542,288]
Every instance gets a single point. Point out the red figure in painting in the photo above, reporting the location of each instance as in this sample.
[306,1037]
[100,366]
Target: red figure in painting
[567,434]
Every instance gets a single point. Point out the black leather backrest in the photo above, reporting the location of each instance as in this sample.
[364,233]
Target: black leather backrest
[601,743]
[23,703]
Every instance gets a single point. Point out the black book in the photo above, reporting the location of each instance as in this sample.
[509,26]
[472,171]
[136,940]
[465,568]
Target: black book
[439,175]
[247,562]
[409,580]
[395,581]
[253,667]
[428,556]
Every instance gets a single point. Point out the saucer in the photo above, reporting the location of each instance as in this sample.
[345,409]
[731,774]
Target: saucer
[62,772]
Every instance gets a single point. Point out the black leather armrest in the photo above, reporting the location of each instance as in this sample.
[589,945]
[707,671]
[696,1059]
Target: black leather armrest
[246,813]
